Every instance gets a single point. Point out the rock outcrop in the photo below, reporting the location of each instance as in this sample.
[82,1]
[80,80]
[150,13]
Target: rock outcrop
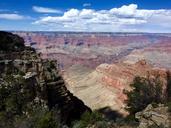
[42,77]
[156,117]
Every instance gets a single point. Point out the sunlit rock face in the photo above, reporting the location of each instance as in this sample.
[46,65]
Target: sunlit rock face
[93,49]
[104,86]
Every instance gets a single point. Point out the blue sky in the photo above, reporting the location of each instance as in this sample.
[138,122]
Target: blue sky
[86,15]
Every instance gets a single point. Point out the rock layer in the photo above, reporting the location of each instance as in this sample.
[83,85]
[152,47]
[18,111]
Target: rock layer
[104,87]
[91,49]
[158,54]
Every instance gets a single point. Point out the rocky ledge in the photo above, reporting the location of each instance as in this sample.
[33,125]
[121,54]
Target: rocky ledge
[154,116]
[41,78]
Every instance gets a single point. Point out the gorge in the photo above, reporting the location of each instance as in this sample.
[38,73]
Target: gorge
[97,67]
[72,87]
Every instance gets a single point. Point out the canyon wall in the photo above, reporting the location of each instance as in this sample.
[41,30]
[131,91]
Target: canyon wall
[99,66]
[93,49]
[39,78]
[104,86]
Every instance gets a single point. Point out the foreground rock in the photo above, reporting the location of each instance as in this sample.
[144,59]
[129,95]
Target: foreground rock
[41,78]
[151,116]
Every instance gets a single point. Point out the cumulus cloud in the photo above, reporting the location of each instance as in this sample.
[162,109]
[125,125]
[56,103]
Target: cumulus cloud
[125,18]
[45,10]
[12,16]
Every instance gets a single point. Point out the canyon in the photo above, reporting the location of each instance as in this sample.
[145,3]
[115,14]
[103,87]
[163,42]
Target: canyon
[98,67]
[93,49]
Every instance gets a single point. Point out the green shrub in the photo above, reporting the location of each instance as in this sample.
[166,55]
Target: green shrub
[39,117]
[47,121]
[88,119]
[168,87]
[18,108]
[145,91]
[169,106]
[102,124]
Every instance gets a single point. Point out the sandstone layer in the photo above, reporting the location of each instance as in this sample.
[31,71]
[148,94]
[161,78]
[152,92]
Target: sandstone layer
[104,86]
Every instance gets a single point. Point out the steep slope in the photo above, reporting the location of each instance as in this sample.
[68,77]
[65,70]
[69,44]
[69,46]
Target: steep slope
[39,78]
[104,86]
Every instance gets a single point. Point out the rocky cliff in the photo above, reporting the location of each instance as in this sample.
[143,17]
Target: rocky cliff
[38,77]
[104,86]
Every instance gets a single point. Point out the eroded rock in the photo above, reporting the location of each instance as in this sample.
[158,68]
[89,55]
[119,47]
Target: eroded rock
[158,116]
[42,78]
[104,87]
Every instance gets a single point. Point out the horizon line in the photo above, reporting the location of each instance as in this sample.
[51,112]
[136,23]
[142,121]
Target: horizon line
[86,32]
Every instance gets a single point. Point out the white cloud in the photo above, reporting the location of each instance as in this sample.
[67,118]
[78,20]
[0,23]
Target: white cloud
[86,4]
[12,16]
[71,13]
[125,18]
[129,10]
[45,10]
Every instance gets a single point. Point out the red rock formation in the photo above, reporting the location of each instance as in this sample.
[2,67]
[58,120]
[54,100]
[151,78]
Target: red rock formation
[104,86]
[158,54]
[90,49]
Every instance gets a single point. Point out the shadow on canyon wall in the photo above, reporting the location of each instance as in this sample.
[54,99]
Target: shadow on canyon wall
[110,114]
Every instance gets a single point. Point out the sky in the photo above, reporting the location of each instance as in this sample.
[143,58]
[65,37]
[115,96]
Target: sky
[86,15]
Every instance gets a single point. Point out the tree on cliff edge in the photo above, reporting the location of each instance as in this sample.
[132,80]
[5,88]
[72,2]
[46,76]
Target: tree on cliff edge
[144,91]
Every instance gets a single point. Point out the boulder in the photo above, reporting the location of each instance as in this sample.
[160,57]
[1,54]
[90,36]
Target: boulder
[152,116]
